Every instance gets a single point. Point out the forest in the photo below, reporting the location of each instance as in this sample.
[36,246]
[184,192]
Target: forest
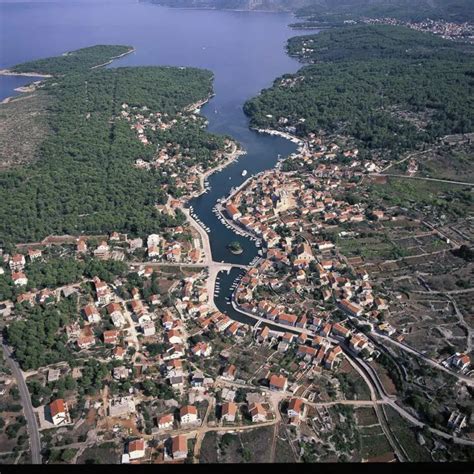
[358,43]
[334,11]
[36,339]
[84,179]
[74,61]
[391,102]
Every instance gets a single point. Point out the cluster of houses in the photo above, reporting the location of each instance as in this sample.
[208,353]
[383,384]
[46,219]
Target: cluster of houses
[174,251]
[172,159]
[17,263]
[141,120]
[295,201]
[194,303]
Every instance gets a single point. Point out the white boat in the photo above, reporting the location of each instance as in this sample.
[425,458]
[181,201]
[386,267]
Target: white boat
[244,173]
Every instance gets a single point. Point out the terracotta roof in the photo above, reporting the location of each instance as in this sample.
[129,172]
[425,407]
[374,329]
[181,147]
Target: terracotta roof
[57,407]
[278,381]
[188,410]
[179,444]
[296,404]
[136,445]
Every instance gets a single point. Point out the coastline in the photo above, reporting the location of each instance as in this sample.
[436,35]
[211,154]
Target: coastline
[32,86]
[132,50]
[8,72]
[288,136]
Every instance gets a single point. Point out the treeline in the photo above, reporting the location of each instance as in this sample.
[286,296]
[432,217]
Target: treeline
[84,179]
[392,104]
[75,61]
[369,42]
[330,11]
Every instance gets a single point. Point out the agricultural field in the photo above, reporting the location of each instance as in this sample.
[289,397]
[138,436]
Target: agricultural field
[445,201]
[453,163]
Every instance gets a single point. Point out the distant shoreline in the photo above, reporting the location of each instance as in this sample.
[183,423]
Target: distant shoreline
[8,72]
[31,87]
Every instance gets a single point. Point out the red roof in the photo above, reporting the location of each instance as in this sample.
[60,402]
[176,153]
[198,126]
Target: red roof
[136,445]
[278,381]
[296,404]
[57,407]
[188,410]
[179,444]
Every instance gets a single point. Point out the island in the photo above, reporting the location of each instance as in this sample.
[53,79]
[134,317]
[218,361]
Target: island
[235,247]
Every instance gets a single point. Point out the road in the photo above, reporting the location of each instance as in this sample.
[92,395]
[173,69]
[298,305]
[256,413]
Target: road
[437,180]
[376,388]
[34,436]
[468,380]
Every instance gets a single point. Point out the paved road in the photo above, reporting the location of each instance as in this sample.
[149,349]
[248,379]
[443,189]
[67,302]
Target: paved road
[468,380]
[30,416]
[375,385]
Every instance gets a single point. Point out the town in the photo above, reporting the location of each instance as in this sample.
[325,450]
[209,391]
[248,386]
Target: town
[157,365]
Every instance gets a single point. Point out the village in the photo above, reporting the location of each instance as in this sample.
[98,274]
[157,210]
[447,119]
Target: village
[160,368]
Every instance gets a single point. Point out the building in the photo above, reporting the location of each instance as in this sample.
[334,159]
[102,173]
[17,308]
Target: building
[188,414]
[91,313]
[233,212]
[166,422]
[102,291]
[257,413]
[34,254]
[351,308]
[136,449]
[229,372]
[19,278]
[17,262]
[278,383]
[295,408]
[229,412]
[58,410]
[179,447]
[110,337]
[121,407]
[457,421]
[461,361]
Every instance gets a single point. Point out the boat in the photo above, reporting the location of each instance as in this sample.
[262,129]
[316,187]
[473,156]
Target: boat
[244,173]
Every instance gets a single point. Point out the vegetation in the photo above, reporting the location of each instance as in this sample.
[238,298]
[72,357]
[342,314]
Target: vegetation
[74,61]
[359,43]
[337,11]
[331,11]
[82,179]
[35,335]
[23,127]
[390,103]
[235,247]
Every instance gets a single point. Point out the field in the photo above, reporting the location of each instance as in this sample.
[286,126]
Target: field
[105,453]
[435,198]
[249,446]
[443,162]
[23,127]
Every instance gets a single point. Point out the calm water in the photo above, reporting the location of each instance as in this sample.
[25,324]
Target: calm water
[245,51]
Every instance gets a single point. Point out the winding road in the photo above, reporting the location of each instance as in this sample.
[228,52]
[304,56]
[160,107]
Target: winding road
[34,436]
